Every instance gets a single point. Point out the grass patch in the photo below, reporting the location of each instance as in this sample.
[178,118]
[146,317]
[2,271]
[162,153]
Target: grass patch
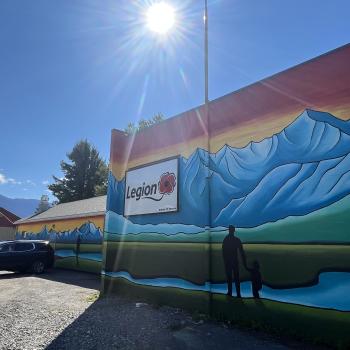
[93,297]
[312,324]
[301,322]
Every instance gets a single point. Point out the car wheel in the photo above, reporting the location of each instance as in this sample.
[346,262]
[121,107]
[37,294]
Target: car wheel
[38,267]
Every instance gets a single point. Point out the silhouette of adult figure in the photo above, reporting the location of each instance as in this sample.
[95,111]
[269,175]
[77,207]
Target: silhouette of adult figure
[231,246]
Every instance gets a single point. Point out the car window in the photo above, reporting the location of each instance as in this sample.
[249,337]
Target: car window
[8,247]
[42,247]
[22,247]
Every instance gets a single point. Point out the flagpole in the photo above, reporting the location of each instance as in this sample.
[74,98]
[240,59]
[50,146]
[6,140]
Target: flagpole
[207,119]
[206,96]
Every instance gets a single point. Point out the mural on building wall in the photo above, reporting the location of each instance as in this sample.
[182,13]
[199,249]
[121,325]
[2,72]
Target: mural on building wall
[76,247]
[278,169]
[289,193]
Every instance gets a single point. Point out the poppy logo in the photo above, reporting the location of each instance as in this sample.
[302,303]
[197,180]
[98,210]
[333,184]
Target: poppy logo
[167,183]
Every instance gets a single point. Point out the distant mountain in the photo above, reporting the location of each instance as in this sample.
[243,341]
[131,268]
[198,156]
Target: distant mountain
[302,169]
[19,206]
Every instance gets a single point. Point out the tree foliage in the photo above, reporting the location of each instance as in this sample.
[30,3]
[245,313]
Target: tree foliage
[143,124]
[85,176]
[43,204]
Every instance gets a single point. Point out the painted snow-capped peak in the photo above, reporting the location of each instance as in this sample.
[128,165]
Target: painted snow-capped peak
[303,168]
[87,232]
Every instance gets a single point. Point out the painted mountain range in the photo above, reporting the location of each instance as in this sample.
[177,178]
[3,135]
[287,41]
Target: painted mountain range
[323,226]
[88,233]
[302,169]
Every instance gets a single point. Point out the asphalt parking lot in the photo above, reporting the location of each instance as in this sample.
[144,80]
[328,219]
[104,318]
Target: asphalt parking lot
[60,310]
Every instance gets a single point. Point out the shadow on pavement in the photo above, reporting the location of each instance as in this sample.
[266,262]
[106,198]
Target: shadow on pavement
[114,323]
[118,323]
[81,279]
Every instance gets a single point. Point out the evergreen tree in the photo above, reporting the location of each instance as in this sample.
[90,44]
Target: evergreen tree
[143,124]
[85,176]
[43,204]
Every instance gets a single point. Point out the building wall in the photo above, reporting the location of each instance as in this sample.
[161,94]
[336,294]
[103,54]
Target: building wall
[7,233]
[63,235]
[273,159]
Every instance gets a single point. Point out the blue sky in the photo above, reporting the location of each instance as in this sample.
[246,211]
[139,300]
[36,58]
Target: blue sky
[71,70]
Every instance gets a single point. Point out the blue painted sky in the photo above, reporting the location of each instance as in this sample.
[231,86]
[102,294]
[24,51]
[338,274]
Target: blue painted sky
[71,70]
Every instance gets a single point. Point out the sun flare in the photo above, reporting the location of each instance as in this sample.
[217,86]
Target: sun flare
[160,17]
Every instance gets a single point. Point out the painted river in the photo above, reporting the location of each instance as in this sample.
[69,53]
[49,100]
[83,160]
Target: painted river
[332,291]
[68,253]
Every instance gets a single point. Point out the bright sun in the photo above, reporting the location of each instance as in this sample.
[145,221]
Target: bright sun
[160,17]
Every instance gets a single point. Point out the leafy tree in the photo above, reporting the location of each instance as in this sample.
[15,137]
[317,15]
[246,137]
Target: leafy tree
[101,189]
[85,176]
[43,204]
[144,123]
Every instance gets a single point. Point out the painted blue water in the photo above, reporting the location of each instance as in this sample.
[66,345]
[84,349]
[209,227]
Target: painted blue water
[332,291]
[67,253]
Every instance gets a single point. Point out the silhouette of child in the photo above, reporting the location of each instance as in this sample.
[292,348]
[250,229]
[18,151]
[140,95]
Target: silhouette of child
[256,279]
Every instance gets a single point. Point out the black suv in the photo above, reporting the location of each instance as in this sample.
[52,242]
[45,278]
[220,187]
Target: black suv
[23,256]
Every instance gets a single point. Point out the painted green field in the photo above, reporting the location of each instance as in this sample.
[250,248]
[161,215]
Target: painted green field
[84,248]
[287,266]
[313,324]
[328,225]
[282,265]
[83,265]
[186,260]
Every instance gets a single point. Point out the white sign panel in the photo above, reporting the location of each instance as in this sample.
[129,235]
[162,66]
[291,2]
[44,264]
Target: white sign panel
[152,189]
